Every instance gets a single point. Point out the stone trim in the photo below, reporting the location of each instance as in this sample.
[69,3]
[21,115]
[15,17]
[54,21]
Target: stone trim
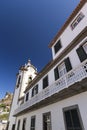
[79,115]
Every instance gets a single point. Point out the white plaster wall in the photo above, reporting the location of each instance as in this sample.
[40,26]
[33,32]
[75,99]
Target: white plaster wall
[74,59]
[75,62]
[40,86]
[13,107]
[39,89]
[56,110]
[51,77]
[68,35]
[26,75]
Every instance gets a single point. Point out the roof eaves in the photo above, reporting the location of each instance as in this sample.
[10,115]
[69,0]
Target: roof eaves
[77,9]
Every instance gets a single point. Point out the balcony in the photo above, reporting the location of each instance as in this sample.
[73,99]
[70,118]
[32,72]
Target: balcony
[76,75]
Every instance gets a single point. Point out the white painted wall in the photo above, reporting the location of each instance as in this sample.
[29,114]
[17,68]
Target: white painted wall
[13,107]
[68,35]
[27,74]
[56,110]
[19,92]
[74,59]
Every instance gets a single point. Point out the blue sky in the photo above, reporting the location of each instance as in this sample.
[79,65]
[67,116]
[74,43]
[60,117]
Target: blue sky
[26,29]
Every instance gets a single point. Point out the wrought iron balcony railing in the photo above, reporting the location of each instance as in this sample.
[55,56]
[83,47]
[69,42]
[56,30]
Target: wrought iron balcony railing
[75,75]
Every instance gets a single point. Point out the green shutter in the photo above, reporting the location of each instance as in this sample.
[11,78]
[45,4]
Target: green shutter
[68,64]
[81,53]
[56,73]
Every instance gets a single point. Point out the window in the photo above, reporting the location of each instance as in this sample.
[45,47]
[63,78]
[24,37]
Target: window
[82,52]
[57,47]
[35,90]
[13,127]
[56,73]
[63,68]
[27,96]
[77,20]
[32,123]
[45,82]
[18,126]
[30,79]
[19,79]
[47,121]
[24,124]
[72,118]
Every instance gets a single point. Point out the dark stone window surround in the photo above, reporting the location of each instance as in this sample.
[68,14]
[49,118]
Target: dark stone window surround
[79,115]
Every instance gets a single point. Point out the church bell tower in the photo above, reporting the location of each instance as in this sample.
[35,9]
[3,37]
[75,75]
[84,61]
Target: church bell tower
[25,76]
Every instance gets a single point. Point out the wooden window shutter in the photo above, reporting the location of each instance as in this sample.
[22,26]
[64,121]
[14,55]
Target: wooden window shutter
[56,73]
[27,96]
[81,53]
[45,82]
[36,89]
[68,64]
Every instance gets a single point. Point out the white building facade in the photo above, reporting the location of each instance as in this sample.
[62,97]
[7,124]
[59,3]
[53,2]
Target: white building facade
[55,98]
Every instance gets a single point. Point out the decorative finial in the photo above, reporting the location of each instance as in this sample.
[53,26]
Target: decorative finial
[29,61]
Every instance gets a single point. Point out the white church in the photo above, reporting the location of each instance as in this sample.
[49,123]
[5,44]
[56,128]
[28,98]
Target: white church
[56,97]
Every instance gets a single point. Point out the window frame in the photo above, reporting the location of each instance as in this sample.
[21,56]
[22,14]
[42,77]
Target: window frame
[85,43]
[68,66]
[27,96]
[62,69]
[49,114]
[34,90]
[18,124]
[24,124]
[77,20]
[78,112]
[34,127]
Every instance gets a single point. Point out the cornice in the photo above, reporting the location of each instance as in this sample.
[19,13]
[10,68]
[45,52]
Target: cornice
[74,13]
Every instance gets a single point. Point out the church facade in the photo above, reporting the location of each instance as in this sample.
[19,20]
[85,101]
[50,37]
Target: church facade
[56,97]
